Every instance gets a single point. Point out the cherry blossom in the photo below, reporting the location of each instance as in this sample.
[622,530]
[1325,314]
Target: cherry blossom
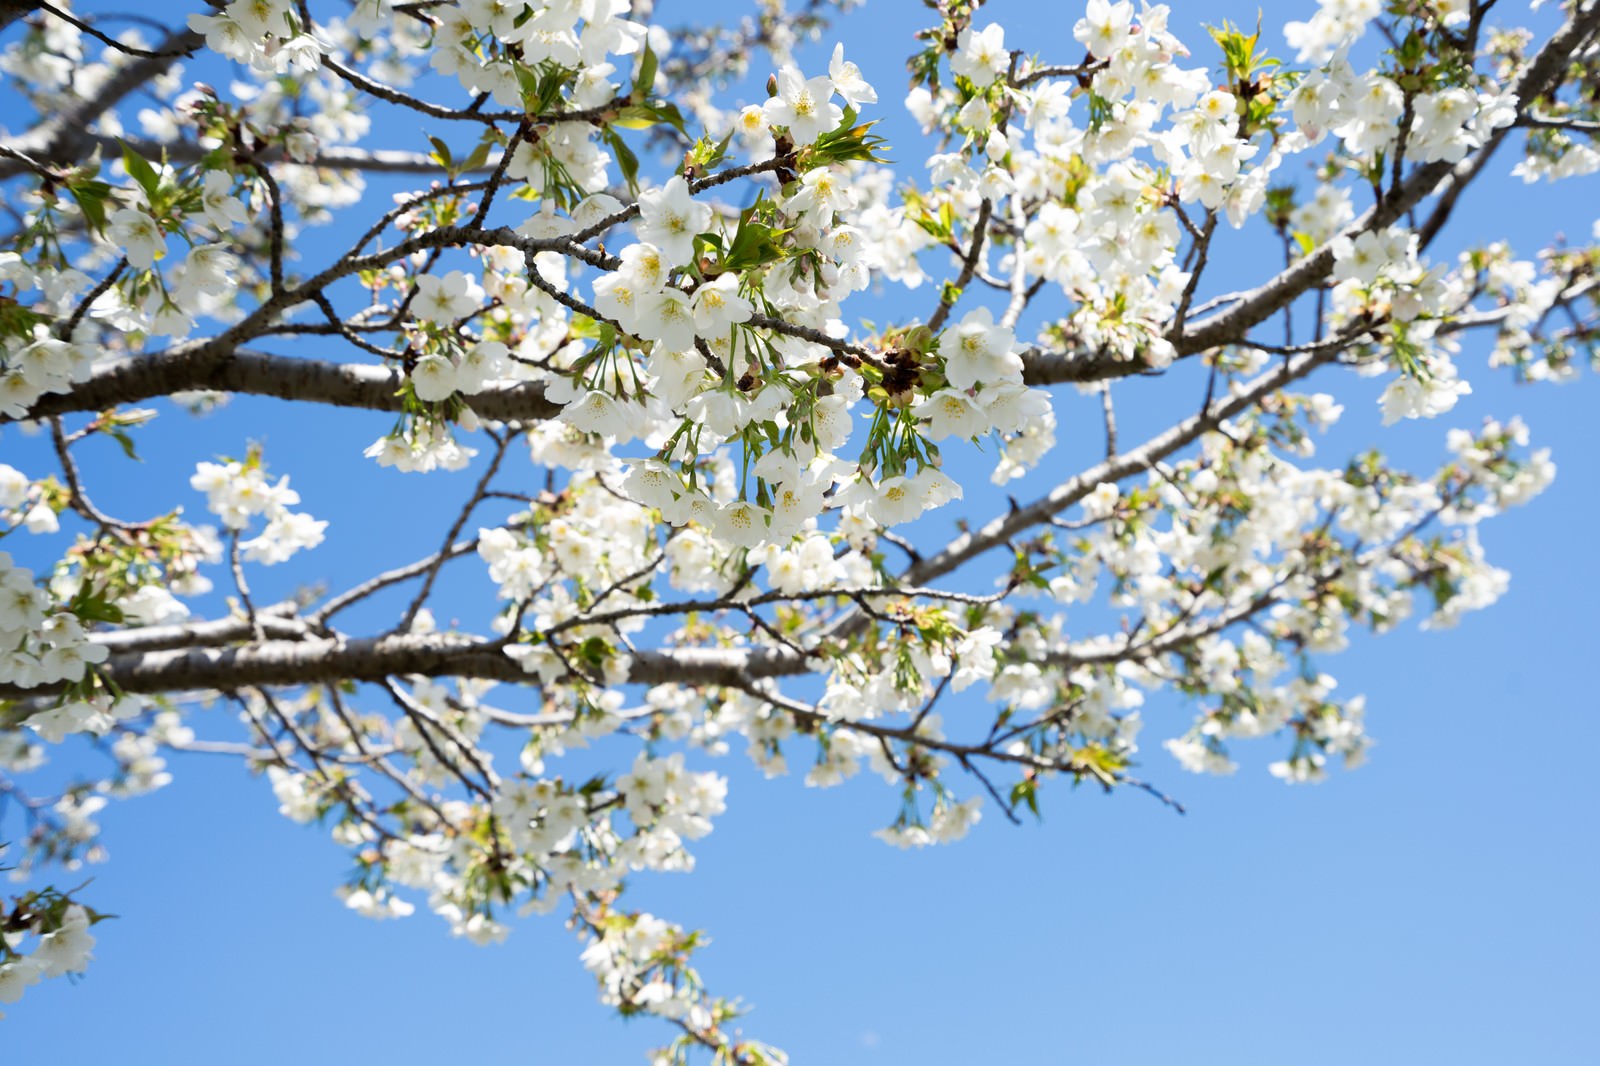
[720,384]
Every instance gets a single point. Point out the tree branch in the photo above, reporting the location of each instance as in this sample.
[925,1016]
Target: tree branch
[308,662]
[376,388]
[999,530]
[1264,301]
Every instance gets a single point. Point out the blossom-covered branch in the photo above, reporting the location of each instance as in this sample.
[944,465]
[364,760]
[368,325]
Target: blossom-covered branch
[723,357]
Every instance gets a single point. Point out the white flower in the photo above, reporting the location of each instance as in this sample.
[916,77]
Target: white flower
[1103,30]
[1195,756]
[600,412]
[1011,407]
[805,107]
[448,298]
[751,123]
[17,975]
[68,948]
[644,265]
[1361,258]
[235,492]
[150,605]
[950,823]
[1411,396]
[260,17]
[208,268]
[616,296]
[975,115]
[295,802]
[675,376]
[666,316]
[847,80]
[977,350]
[481,364]
[222,209]
[823,191]
[225,36]
[653,483]
[139,237]
[902,499]
[981,55]
[287,533]
[433,378]
[41,518]
[742,523]
[669,218]
[1101,502]
[974,655]
[718,305]
[952,413]
[377,906]
[1308,769]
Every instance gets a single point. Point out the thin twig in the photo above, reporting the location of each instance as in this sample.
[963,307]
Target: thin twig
[110,42]
[969,265]
[442,555]
[236,566]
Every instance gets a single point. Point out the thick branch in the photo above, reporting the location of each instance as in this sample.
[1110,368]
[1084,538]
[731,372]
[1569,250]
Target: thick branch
[12,10]
[202,634]
[309,662]
[137,379]
[336,157]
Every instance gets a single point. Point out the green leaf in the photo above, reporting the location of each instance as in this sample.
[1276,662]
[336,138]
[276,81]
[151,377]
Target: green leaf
[441,155]
[706,153]
[478,157]
[626,160]
[1026,792]
[635,117]
[644,116]
[91,605]
[848,143]
[142,172]
[17,320]
[935,225]
[550,85]
[527,81]
[122,438]
[92,196]
[541,87]
[646,81]
[670,115]
[594,652]
[754,243]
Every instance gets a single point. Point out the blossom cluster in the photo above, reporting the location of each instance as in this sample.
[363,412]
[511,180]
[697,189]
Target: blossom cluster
[266,34]
[237,491]
[26,503]
[43,644]
[37,363]
[61,944]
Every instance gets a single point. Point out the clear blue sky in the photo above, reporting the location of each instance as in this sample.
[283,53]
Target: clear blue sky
[1437,905]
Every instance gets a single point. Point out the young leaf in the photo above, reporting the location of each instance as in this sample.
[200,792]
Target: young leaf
[142,172]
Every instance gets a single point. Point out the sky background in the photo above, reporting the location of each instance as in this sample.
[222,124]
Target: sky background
[1437,905]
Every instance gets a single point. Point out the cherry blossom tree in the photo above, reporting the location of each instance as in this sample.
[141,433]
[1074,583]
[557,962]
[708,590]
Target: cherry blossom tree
[699,353]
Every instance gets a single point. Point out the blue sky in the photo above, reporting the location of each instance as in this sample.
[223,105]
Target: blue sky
[1435,906]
